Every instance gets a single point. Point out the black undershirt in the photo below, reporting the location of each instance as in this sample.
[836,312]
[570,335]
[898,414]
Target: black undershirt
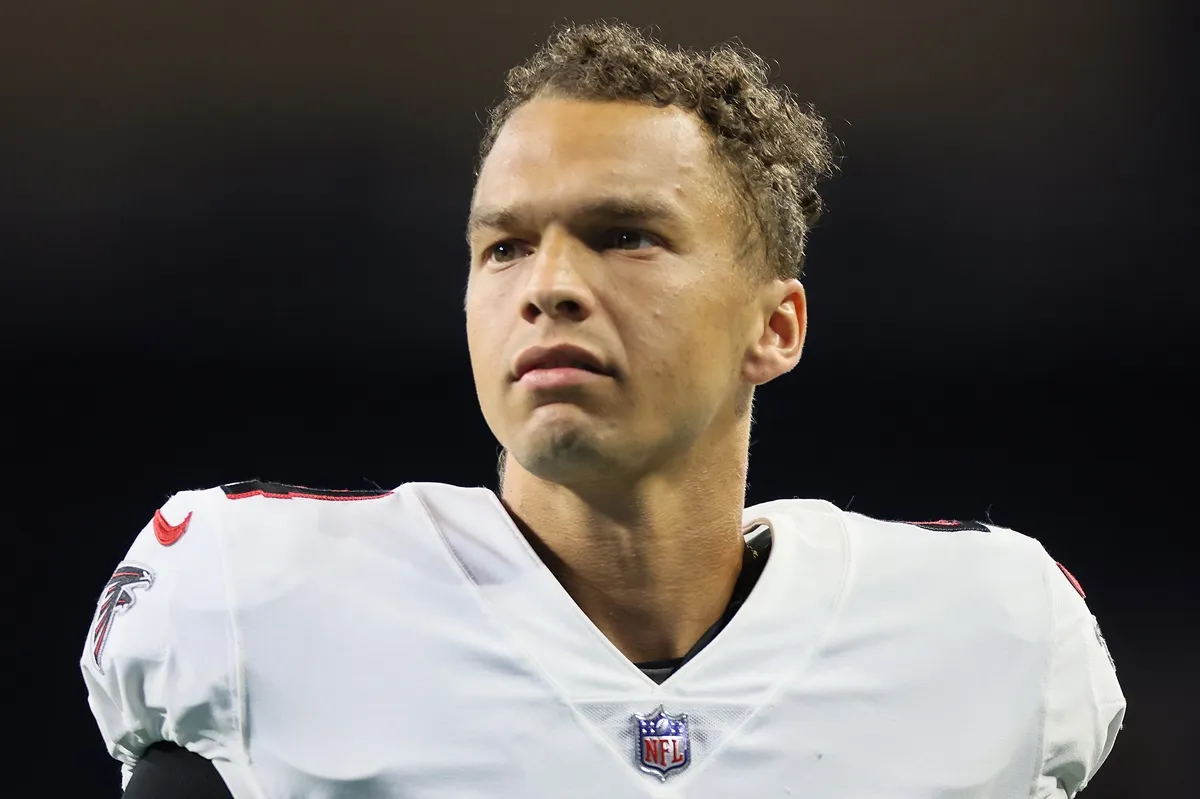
[167,771]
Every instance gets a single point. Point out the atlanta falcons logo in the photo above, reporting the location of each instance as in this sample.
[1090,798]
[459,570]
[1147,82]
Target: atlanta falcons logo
[117,598]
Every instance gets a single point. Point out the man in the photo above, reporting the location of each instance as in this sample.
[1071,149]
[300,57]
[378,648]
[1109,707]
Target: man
[616,623]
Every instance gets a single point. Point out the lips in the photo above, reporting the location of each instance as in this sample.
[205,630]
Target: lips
[563,356]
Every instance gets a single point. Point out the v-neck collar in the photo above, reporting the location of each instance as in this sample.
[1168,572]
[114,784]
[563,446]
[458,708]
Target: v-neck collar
[782,620]
[754,558]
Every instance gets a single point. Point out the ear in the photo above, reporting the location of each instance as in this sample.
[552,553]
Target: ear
[783,323]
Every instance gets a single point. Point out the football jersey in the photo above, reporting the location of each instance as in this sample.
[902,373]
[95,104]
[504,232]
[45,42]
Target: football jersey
[410,643]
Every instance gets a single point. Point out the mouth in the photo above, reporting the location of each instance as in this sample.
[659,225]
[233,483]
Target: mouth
[558,378]
[564,360]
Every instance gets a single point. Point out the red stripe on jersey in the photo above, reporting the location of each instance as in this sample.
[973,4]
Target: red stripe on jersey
[260,488]
[1074,583]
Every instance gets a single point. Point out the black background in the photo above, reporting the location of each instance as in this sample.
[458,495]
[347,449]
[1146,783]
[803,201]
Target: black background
[232,247]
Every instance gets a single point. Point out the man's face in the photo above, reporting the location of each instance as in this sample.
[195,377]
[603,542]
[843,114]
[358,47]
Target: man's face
[606,226]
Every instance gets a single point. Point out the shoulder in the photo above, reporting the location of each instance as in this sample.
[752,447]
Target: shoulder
[170,593]
[187,540]
[173,567]
[281,514]
[935,538]
[272,513]
[253,531]
[974,567]
[165,603]
[173,557]
[949,547]
[162,659]
[268,539]
[998,601]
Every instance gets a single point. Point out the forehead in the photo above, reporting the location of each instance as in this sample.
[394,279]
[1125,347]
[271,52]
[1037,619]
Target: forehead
[554,152]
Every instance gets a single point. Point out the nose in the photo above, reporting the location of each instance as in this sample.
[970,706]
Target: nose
[556,287]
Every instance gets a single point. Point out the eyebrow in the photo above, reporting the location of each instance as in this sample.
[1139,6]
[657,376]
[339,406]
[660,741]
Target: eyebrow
[616,209]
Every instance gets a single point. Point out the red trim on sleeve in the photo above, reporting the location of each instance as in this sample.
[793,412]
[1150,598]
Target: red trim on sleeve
[1074,583]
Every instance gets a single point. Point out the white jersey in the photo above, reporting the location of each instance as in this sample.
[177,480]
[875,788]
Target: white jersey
[411,644]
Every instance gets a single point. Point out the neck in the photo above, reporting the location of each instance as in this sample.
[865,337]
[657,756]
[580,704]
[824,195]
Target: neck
[652,564]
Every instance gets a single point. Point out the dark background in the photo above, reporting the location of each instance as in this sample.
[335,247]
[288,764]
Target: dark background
[232,246]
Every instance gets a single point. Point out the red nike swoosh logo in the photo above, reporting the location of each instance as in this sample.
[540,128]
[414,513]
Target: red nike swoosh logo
[168,533]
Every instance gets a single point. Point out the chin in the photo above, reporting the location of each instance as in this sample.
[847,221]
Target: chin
[559,450]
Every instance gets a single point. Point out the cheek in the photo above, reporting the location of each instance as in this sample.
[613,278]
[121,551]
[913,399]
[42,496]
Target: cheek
[675,361]
[689,325]
[483,339]
[698,354]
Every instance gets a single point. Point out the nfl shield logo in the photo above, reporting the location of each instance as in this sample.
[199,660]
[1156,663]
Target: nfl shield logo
[663,744]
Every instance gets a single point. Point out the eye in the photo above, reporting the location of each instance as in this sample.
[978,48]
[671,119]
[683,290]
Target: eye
[505,251]
[629,239]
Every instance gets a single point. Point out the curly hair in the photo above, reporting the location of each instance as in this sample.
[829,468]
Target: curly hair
[775,150]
